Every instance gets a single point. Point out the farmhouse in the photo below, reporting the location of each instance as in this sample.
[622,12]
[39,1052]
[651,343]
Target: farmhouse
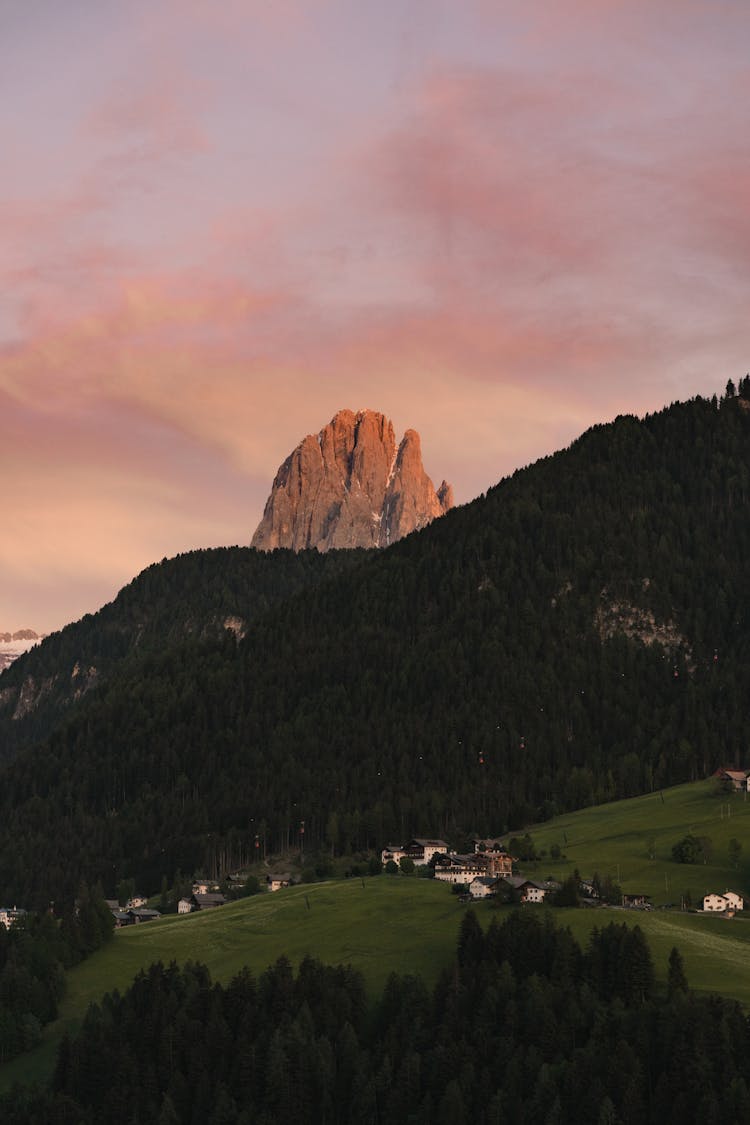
[719,904]
[9,915]
[483,886]
[529,890]
[739,779]
[140,914]
[208,901]
[276,882]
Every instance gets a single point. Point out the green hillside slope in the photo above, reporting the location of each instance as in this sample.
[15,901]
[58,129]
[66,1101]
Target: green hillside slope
[580,634]
[632,841]
[379,926]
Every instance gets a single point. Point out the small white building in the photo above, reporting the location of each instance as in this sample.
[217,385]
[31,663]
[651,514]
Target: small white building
[184,906]
[483,886]
[736,902]
[276,882]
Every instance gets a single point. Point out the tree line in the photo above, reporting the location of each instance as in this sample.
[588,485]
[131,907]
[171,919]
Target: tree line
[35,953]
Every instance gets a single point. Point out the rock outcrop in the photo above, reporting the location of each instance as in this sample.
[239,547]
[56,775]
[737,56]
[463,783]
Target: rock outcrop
[350,486]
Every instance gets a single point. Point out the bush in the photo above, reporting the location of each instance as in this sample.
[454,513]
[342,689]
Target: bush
[692,849]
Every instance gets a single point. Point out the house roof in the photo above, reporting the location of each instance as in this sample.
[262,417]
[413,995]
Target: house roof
[213,898]
[485,880]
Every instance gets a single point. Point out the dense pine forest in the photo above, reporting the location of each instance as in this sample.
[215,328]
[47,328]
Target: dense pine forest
[527,1027]
[193,597]
[578,634]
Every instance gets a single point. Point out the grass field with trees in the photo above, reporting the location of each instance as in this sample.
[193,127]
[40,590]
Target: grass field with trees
[409,925]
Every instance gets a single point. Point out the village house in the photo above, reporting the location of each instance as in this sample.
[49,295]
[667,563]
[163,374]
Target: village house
[483,886]
[9,915]
[140,914]
[459,868]
[499,862]
[637,901]
[208,901]
[276,882]
[739,779]
[529,890]
[419,850]
[204,887]
[185,906]
[720,904]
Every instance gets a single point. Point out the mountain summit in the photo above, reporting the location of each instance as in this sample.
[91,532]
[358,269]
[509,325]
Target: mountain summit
[350,486]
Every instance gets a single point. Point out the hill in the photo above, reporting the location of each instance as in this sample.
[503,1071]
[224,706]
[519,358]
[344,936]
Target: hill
[193,598]
[579,634]
[378,926]
[632,841]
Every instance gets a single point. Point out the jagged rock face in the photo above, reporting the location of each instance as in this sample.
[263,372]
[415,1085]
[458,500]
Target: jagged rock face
[350,487]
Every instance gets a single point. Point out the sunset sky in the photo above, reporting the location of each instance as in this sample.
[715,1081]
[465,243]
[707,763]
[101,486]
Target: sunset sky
[497,221]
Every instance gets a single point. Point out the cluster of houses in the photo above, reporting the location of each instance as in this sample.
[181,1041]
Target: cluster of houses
[486,871]
[132,913]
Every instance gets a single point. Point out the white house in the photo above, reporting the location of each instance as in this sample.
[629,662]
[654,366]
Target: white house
[529,890]
[184,906]
[719,903]
[276,882]
[483,886]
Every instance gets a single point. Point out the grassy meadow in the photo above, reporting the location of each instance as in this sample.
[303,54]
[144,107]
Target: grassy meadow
[410,925]
[616,840]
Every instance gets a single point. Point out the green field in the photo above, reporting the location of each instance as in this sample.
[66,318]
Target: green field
[613,840]
[378,925]
[406,925]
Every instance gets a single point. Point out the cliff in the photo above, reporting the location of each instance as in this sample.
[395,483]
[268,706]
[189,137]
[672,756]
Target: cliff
[350,486]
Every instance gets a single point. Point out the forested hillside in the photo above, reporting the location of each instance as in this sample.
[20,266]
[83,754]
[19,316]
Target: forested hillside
[194,597]
[579,633]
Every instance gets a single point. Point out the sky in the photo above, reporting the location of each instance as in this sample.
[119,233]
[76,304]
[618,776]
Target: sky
[496,221]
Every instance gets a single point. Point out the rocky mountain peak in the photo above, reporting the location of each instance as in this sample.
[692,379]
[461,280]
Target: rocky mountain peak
[350,486]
